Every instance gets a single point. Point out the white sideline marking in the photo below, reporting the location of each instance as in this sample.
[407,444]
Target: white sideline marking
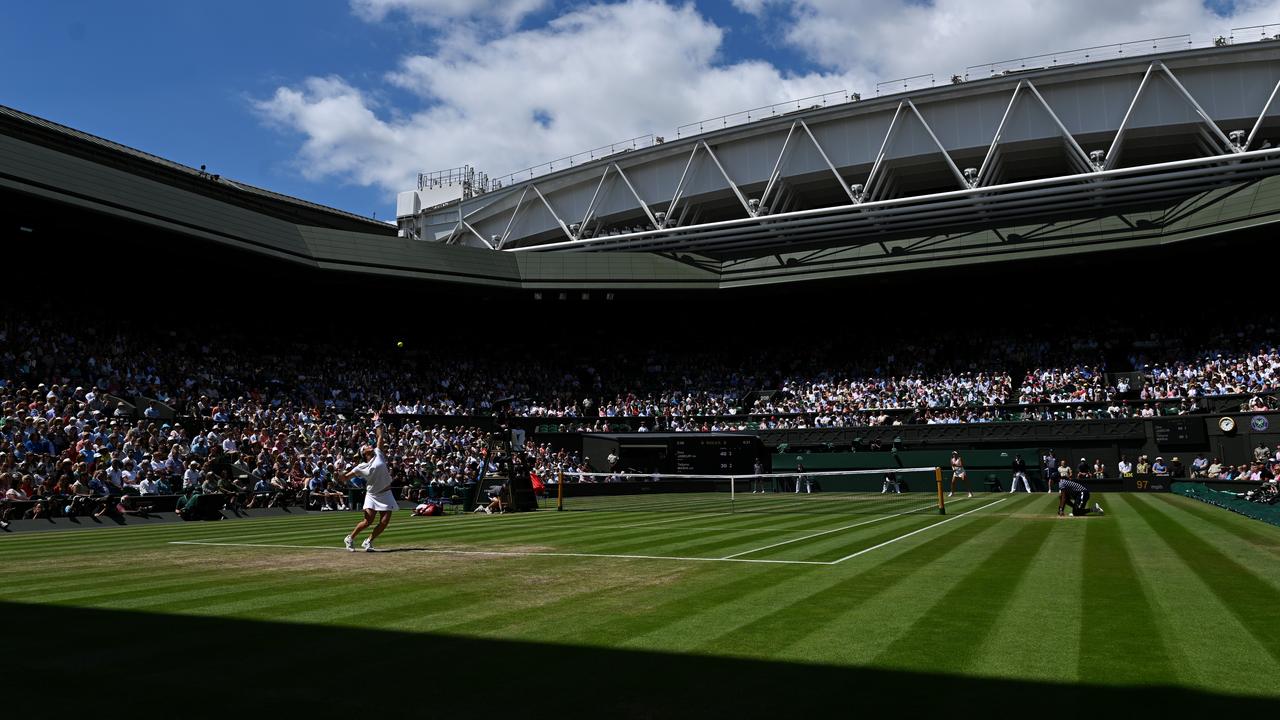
[913,532]
[515,553]
[828,532]
[731,558]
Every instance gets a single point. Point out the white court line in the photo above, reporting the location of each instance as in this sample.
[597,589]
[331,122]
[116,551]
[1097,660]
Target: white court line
[512,553]
[827,532]
[913,532]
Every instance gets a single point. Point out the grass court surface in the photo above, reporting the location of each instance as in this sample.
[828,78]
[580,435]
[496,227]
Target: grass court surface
[813,605]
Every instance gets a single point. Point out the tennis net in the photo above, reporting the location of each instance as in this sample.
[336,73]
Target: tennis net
[843,492]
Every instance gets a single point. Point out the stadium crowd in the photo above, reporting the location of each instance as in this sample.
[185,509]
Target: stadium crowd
[264,420]
[229,376]
[64,452]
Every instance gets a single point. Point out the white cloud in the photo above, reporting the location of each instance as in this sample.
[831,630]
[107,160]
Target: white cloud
[883,39]
[592,76]
[439,13]
[751,7]
[604,72]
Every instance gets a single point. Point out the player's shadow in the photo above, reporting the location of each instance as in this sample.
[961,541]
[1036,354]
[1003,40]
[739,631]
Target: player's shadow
[218,667]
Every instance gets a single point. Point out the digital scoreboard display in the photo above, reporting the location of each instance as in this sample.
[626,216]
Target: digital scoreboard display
[1180,431]
[714,455]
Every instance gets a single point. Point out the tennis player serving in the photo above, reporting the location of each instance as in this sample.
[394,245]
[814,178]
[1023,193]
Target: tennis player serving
[378,496]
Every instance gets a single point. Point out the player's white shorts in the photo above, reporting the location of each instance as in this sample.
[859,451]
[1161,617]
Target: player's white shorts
[382,502]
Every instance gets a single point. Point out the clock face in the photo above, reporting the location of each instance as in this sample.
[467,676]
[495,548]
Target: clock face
[1227,424]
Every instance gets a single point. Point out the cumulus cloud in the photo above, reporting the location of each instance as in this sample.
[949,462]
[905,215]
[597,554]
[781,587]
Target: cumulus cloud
[598,73]
[438,13]
[895,38]
[590,77]
[751,7]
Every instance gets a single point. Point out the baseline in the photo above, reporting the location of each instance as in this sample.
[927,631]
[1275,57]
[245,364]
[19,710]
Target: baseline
[508,553]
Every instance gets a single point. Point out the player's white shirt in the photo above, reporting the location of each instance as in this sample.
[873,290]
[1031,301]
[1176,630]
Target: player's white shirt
[376,472]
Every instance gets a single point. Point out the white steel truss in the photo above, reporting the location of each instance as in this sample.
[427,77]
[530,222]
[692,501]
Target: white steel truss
[776,174]
[1117,144]
[684,176]
[591,207]
[940,211]
[516,211]
[1075,154]
[874,185]
[487,244]
[1261,116]
[553,212]
[978,197]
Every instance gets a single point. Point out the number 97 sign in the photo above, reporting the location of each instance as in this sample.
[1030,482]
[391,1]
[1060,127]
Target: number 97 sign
[1147,483]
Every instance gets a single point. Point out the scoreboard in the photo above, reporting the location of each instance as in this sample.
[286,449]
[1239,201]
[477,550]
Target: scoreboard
[1175,432]
[715,454]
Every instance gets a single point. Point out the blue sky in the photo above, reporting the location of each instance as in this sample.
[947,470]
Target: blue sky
[340,101]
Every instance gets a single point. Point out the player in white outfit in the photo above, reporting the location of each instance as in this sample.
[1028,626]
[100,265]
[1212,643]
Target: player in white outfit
[378,496]
[958,473]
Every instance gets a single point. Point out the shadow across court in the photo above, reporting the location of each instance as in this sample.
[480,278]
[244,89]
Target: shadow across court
[215,667]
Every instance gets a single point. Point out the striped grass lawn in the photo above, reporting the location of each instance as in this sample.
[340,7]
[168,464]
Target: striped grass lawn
[858,604]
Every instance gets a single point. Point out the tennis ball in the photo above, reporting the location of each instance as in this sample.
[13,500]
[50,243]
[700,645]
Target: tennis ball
[399,343]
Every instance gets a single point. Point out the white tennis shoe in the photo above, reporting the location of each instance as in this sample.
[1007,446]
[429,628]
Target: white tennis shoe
[346,542]
[367,545]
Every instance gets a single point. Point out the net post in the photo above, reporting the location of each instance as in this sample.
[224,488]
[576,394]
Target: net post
[942,503]
[560,489]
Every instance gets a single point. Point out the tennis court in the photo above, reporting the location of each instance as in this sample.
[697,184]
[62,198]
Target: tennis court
[997,595]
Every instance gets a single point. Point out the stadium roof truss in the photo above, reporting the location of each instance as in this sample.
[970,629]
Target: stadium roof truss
[1121,154]
[1165,146]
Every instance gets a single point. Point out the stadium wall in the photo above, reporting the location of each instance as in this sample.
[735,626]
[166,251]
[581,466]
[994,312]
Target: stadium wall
[989,447]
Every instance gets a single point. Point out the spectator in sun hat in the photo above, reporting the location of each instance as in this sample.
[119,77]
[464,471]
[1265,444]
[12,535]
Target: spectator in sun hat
[1159,467]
